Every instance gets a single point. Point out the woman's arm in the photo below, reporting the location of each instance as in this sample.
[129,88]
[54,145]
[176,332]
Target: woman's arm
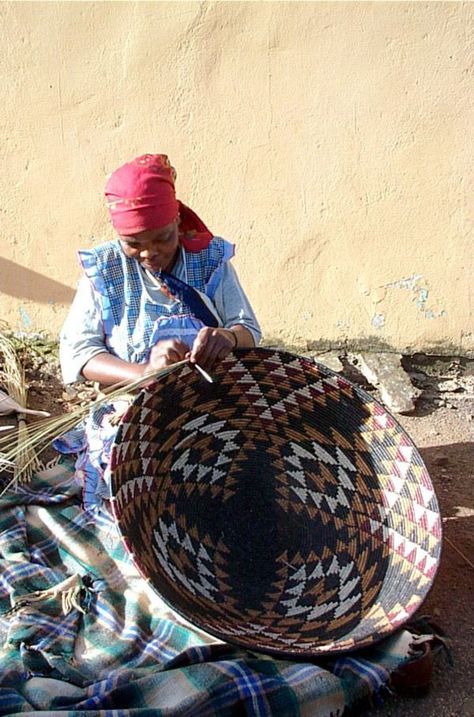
[108,369]
[82,335]
[235,309]
[82,349]
[241,328]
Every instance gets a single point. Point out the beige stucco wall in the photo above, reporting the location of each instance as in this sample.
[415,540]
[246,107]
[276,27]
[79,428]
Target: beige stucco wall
[332,142]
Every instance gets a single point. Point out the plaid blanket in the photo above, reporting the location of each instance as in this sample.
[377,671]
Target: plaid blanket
[81,633]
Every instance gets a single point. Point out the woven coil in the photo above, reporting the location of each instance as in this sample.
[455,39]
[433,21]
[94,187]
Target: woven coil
[280,508]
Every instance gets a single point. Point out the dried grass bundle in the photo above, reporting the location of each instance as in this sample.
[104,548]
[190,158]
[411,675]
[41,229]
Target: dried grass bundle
[40,434]
[12,378]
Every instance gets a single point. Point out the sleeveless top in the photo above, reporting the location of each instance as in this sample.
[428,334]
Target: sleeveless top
[132,321]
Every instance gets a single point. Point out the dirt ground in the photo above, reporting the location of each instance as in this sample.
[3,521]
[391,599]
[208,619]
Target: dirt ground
[443,430]
[442,426]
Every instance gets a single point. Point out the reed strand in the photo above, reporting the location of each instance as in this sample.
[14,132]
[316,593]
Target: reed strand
[12,378]
[42,432]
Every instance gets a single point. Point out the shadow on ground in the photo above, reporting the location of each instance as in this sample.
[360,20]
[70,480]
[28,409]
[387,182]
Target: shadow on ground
[450,603]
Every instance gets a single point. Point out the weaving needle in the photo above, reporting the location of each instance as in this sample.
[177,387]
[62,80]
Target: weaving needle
[203,373]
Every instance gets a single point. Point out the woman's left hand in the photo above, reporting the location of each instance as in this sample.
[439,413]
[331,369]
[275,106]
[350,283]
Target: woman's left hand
[211,345]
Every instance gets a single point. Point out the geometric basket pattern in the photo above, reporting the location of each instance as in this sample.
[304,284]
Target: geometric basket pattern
[280,508]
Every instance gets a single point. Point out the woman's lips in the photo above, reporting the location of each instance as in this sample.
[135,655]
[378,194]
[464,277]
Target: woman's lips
[152,267]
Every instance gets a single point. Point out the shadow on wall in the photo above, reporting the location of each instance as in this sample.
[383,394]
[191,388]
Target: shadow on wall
[24,283]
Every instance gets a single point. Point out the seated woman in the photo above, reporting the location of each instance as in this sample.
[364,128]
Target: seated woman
[164,290]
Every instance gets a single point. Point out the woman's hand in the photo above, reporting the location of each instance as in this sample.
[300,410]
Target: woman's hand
[211,345]
[108,369]
[166,352]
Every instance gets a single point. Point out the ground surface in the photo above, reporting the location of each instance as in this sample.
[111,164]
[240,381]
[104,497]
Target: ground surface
[442,427]
[444,435]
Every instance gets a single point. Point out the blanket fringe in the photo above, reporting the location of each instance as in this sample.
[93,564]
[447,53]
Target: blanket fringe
[68,591]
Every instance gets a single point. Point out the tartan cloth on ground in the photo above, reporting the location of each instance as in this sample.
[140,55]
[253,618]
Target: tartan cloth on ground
[109,646]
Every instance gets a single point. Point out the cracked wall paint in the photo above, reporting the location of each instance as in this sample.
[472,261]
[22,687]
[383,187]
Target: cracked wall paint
[421,299]
[429,314]
[378,321]
[409,283]
[415,284]
[24,317]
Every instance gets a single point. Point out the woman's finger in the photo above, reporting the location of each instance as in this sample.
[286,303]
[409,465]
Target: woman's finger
[210,346]
[167,352]
[199,345]
[210,355]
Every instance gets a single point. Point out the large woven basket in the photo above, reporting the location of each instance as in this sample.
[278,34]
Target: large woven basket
[280,508]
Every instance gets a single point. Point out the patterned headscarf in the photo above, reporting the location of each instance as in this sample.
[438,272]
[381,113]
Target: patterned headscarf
[141,195]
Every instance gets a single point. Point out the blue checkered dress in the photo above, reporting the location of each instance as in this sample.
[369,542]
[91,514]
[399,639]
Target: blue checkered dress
[133,323]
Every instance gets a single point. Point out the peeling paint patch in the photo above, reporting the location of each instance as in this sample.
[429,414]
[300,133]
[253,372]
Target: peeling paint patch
[420,299]
[408,283]
[429,314]
[378,321]
[25,319]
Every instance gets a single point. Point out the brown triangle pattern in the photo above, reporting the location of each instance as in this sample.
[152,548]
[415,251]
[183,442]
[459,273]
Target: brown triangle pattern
[270,399]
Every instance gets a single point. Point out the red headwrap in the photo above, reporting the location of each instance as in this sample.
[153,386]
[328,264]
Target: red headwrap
[141,195]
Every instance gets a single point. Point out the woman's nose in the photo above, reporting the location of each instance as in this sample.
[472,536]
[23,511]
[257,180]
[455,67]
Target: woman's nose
[147,253]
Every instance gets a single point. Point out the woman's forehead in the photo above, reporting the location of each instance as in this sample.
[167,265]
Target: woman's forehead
[150,234]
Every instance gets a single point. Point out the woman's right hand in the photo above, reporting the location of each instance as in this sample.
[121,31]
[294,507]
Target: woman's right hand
[166,352]
[108,369]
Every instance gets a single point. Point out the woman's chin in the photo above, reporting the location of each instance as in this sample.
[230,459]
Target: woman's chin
[151,267]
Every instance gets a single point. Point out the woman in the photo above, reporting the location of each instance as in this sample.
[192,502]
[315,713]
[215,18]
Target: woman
[161,292]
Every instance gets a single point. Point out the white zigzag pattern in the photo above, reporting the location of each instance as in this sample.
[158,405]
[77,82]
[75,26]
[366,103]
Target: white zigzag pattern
[201,556]
[196,426]
[320,454]
[304,584]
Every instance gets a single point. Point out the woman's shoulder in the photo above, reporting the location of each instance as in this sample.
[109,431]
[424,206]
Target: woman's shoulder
[110,247]
[218,248]
[102,257]
[225,248]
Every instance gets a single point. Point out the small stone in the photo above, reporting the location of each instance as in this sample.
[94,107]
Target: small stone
[330,359]
[450,386]
[385,372]
[468,707]
[441,460]
[68,394]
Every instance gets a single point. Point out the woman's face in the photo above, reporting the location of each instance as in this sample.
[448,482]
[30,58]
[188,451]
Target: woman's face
[155,249]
